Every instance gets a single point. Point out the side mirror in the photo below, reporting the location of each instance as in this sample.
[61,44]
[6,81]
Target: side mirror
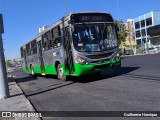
[117,30]
[72,29]
[116,27]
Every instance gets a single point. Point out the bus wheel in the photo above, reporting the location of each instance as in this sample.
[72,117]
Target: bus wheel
[60,73]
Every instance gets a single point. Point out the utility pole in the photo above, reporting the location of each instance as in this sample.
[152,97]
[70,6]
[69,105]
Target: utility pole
[65,5]
[4,89]
[118,9]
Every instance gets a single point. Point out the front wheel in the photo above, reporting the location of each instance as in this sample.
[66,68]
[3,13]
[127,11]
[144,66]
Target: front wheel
[60,73]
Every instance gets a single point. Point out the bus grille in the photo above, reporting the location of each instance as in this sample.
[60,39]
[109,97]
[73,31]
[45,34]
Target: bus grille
[98,56]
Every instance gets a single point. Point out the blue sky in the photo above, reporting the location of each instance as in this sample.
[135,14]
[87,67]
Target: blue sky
[22,18]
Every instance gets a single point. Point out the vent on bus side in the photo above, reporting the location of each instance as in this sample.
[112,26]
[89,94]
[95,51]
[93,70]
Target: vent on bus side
[98,56]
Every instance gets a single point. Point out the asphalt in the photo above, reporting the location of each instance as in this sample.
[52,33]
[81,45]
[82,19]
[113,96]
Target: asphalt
[134,87]
[15,102]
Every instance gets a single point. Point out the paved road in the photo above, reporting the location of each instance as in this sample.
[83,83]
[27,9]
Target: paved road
[134,87]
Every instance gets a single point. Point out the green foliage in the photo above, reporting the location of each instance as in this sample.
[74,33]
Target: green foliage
[122,33]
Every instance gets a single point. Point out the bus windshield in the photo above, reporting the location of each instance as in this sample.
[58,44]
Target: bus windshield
[94,37]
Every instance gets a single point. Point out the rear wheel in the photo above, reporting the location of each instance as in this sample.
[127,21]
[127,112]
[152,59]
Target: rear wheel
[60,73]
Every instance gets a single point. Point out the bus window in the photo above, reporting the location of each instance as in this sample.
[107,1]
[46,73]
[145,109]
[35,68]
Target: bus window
[56,34]
[44,42]
[49,39]
[22,54]
[28,49]
[34,47]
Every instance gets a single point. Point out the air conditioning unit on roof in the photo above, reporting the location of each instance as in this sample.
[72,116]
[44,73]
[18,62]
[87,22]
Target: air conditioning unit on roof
[42,28]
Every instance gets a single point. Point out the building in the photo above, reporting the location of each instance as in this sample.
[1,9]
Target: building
[144,26]
[129,42]
[154,33]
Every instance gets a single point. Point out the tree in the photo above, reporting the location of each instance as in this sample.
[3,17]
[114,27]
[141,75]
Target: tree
[122,33]
[9,63]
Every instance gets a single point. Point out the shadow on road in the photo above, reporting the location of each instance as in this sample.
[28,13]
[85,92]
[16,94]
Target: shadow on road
[63,85]
[104,75]
[10,79]
[25,79]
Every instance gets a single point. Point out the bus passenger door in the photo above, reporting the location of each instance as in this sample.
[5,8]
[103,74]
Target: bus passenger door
[40,56]
[68,49]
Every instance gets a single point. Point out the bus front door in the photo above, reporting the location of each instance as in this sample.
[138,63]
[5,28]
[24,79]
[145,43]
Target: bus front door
[68,49]
[41,57]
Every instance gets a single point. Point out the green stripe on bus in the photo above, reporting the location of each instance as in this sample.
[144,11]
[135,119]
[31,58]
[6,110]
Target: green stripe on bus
[37,69]
[49,69]
[79,68]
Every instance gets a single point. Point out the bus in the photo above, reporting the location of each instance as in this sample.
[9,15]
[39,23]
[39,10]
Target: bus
[78,44]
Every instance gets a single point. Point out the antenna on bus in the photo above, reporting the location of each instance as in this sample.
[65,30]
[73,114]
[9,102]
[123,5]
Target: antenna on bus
[65,5]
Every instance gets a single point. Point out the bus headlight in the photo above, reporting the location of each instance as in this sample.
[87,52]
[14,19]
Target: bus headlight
[80,60]
[117,55]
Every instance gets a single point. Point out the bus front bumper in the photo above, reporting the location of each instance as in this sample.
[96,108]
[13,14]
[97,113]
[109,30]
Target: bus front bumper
[96,67]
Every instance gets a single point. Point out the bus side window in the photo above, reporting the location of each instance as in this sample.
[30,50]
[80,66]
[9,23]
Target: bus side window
[52,34]
[49,36]
[56,37]
[28,49]
[44,42]
[34,47]
[22,54]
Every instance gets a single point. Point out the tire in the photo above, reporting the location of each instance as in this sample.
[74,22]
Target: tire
[60,73]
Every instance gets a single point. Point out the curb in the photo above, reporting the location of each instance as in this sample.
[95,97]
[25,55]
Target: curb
[25,100]
[139,54]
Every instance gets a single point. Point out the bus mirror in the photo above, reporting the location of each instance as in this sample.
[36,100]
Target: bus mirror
[72,29]
[117,29]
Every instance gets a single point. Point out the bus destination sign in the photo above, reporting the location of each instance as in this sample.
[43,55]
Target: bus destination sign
[92,17]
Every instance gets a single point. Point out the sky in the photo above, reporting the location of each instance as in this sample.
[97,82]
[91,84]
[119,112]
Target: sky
[22,18]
